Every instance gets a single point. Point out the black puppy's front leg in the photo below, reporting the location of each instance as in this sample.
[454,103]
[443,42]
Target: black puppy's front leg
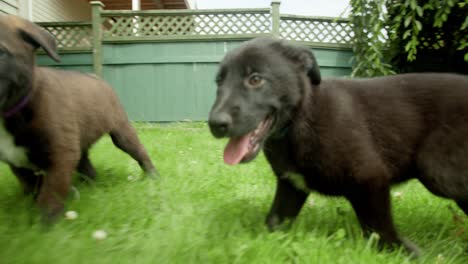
[373,210]
[287,203]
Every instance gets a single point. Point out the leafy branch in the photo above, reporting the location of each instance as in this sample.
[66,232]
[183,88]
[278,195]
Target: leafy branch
[396,30]
[368,22]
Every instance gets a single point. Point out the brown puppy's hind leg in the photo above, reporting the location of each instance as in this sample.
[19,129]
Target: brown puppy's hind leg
[30,181]
[126,139]
[85,167]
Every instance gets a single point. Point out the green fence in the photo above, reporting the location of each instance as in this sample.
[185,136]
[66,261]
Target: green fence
[162,63]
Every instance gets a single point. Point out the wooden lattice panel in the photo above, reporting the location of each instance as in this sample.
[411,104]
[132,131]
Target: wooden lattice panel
[71,36]
[214,24]
[316,30]
[202,24]
[210,24]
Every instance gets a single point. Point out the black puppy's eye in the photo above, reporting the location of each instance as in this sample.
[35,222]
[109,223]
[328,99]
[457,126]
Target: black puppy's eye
[2,53]
[255,80]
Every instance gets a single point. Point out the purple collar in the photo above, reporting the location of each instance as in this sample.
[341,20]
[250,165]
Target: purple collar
[15,109]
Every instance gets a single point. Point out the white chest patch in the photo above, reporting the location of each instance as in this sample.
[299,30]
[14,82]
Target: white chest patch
[298,181]
[9,152]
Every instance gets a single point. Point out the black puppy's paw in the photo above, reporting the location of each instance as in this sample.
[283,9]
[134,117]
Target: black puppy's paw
[87,179]
[411,248]
[272,222]
[278,223]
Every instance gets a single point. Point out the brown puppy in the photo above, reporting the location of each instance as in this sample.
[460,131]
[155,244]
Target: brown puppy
[344,137]
[52,117]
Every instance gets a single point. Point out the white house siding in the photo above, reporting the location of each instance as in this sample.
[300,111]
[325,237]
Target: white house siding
[9,7]
[60,10]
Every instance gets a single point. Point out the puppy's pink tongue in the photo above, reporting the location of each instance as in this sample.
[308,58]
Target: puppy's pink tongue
[236,149]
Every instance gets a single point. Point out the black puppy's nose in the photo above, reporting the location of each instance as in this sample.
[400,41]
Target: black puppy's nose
[220,124]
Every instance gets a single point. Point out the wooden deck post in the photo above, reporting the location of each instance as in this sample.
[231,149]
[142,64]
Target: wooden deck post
[97,36]
[275,18]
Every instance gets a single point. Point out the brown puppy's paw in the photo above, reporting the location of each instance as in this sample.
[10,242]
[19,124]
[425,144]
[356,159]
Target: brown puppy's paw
[50,207]
[50,216]
[152,174]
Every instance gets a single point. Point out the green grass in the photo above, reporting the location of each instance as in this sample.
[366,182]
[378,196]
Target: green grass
[202,211]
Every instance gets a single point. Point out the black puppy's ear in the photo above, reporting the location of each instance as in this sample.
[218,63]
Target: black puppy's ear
[38,37]
[303,57]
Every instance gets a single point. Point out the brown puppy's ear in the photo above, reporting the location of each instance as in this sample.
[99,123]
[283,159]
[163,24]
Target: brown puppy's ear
[303,57]
[38,37]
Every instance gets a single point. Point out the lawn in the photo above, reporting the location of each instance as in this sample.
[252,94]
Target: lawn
[202,211]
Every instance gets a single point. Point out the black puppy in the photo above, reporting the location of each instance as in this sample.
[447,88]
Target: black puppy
[344,137]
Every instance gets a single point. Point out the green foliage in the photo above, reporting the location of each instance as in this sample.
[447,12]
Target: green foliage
[464,28]
[202,211]
[368,22]
[407,27]
[410,12]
